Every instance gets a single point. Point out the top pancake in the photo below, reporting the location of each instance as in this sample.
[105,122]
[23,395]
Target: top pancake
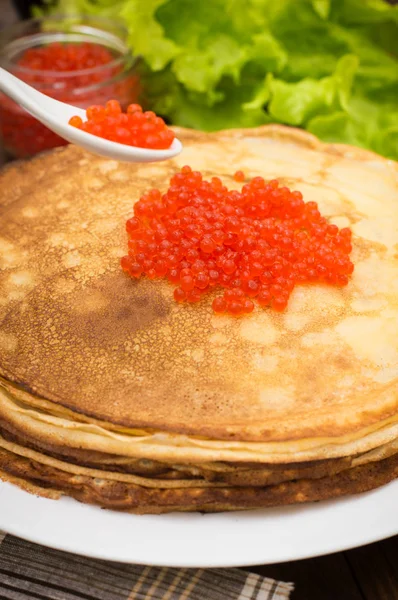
[77,332]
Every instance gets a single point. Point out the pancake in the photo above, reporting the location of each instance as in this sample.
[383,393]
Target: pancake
[149,473]
[98,371]
[53,483]
[49,428]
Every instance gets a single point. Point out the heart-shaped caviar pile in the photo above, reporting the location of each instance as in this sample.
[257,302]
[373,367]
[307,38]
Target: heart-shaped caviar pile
[255,244]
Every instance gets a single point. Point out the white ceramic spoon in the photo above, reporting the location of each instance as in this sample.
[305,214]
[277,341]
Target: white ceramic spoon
[55,115]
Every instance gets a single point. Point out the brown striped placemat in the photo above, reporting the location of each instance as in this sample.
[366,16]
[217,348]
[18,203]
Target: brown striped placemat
[29,571]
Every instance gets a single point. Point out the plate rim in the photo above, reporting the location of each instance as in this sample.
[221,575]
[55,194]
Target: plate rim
[366,535]
[201,565]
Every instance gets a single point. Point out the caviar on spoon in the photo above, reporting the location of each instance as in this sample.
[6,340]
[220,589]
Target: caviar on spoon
[56,116]
[134,127]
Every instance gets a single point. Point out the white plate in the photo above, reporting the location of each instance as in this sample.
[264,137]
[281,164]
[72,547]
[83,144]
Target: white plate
[196,540]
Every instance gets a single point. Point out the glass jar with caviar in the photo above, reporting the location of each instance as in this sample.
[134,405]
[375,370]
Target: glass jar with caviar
[78,60]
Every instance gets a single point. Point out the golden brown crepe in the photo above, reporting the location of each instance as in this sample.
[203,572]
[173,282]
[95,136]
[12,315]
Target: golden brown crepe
[52,482]
[94,364]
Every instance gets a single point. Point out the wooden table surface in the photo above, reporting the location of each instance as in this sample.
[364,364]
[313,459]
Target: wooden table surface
[367,573]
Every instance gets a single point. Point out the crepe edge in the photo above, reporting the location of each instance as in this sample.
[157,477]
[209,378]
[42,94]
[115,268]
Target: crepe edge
[50,483]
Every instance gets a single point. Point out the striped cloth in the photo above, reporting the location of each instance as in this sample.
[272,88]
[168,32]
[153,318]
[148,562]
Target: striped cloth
[29,572]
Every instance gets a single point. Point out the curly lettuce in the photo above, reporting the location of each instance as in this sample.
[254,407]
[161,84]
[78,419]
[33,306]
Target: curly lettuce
[328,66]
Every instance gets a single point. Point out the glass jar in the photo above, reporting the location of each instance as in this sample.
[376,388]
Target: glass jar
[24,136]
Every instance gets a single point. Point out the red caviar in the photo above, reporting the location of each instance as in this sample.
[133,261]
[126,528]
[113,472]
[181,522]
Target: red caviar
[75,73]
[133,128]
[257,244]
[239,176]
[65,57]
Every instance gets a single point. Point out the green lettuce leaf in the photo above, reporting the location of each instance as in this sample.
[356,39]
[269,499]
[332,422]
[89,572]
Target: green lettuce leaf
[322,8]
[297,103]
[148,37]
[329,66]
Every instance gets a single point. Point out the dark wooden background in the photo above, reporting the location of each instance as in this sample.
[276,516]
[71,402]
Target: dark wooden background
[367,573]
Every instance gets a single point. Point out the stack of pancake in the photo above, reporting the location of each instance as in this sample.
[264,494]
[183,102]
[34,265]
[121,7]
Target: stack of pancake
[114,394]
